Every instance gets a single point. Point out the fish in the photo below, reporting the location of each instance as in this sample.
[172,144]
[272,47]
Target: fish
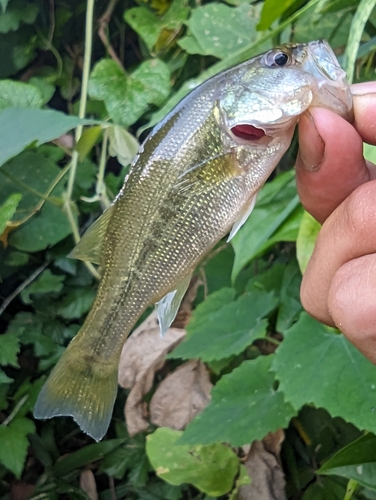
[194,180]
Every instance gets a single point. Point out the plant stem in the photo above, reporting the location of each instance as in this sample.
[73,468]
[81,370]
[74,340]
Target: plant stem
[101,186]
[272,340]
[78,133]
[84,87]
[350,490]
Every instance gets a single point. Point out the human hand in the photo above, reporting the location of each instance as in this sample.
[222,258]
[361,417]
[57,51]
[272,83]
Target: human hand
[338,187]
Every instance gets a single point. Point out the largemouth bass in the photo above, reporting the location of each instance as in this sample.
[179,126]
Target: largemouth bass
[194,180]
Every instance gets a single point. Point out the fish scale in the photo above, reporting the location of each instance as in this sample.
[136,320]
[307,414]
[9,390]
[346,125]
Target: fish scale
[192,182]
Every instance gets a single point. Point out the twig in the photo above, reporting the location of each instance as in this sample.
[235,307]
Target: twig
[17,408]
[112,488]
[103,23]
[23,285]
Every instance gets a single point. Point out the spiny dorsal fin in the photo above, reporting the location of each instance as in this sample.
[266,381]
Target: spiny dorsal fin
[167,308]
[90,246]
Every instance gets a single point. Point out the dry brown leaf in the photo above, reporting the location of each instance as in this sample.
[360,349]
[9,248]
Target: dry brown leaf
[143,354]
[181,396]
[20,490]
[265,470]
[88,485]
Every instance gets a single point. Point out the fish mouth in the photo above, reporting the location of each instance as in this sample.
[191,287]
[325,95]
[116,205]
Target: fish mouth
[333,89]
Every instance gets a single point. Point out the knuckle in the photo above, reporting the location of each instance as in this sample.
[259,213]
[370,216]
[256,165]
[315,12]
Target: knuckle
[360,209]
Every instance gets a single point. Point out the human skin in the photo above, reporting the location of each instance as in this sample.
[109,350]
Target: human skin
[337,186]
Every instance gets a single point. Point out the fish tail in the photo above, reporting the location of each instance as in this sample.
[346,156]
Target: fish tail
[82,386]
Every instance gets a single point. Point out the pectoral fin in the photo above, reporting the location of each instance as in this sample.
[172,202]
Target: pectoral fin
[210,173]
[167,308]
[90,246]
[246,212]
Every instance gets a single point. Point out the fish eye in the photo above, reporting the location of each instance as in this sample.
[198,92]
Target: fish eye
[277,59]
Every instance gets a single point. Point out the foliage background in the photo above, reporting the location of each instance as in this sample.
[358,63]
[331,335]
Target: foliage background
[145,56]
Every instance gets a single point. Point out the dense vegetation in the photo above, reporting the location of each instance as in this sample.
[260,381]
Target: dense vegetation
[114,68]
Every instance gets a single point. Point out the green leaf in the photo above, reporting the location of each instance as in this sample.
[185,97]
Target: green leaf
[19,95]
[9,348]
[17,13]
[45,88]
[76,303]
[123,145]
[244,407]
[32,174]
[276,217]
[17,259]
[346,384]
[8,209]
[149,26]
[127,457]
[90,453]
[289,303]
[4,379]
[326,488]
[145,23]
[369,152]
[45,283]
[128,97]
[87,141]
[271,10]
[229,330]
[355,461]
[211,469]
[4,4]
[14,444]
[305,242]
[332,26]
[219,30]
[33,126]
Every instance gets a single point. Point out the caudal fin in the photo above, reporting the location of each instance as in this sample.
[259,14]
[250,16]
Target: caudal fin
[81,387]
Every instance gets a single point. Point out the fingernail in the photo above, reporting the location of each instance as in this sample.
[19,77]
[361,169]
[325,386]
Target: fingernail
[312,146]
[363,88]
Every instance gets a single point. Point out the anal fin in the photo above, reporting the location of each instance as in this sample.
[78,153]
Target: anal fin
[245,213]
[167,308]
[89,248]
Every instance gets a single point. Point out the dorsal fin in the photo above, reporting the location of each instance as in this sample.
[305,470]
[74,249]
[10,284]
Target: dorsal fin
[89,248]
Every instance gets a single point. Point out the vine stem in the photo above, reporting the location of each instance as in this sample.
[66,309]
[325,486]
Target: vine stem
[78,132]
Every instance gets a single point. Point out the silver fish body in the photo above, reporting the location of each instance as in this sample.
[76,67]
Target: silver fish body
[194,180]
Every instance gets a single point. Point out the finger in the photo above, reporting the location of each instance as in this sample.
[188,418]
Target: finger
[330,163]
[365,110]
[347,234]
[351,301]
